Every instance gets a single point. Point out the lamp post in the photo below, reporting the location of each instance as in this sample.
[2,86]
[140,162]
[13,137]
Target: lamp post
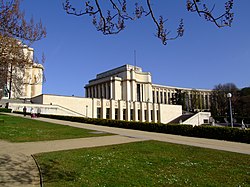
[229,96]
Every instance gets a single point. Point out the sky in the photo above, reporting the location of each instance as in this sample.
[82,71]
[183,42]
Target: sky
[206,56]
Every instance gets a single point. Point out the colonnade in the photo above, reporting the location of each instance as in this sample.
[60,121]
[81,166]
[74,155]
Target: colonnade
[199,98]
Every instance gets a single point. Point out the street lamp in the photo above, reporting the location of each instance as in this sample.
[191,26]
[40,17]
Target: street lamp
[229,96]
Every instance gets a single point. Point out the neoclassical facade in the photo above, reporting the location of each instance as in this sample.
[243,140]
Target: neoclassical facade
[25,84]
[130,83]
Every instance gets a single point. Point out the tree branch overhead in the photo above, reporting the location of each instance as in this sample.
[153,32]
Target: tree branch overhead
[110,17]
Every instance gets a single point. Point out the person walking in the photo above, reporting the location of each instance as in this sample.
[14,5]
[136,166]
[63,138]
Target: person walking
[32,114]
[38,112]
[24,111]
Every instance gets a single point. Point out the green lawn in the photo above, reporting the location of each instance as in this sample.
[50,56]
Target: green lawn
[18,129]
[148,163]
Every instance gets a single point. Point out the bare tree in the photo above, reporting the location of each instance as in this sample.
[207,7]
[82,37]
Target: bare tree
[219,100]
[15,30]
[113,20]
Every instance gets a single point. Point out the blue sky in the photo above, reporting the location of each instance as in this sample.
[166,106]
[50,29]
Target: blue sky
[206,55]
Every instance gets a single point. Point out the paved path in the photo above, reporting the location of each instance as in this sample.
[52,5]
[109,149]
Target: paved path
[17,167]
[199,142]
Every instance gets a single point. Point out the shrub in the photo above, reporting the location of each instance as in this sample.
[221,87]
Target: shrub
[6,110]
[211,132]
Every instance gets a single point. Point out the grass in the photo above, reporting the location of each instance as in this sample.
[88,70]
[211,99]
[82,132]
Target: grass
[148,163]
[18,129]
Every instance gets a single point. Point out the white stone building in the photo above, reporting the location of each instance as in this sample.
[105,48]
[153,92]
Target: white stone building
[129,83]
[25,84]
[123,93]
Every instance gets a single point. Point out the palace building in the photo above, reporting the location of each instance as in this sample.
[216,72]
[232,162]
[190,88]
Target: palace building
[127,93]
[130,83]
[24,84]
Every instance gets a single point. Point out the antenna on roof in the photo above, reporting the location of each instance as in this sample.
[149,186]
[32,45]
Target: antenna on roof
[135,58]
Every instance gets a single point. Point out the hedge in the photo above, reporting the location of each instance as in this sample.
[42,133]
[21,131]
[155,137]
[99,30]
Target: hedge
[220,133]
[6,110]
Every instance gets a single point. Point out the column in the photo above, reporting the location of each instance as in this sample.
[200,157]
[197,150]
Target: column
[111,89]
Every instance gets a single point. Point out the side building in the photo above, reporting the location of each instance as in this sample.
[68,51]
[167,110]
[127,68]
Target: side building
[23,83]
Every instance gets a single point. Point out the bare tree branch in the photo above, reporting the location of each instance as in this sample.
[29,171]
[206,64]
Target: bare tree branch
[112,20]
[222,20]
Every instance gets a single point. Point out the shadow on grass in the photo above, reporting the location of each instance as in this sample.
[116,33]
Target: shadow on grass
[55,173]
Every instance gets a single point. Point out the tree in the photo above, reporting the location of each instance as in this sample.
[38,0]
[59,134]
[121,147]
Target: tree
[219,100]
[243,108]
[15,30]
[110,17]
[180,98]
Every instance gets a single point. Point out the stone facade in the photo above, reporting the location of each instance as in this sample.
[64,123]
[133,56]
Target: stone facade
[129,83]
[28,83]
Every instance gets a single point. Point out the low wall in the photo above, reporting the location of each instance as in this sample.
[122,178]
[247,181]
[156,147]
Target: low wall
[198,119]
[45,109]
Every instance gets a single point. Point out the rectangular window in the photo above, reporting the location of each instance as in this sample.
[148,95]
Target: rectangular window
[101,93]
[94,92]
[138,92]
[116,113]
[132,114]
[107,113]
[109,91]
[153,96]
[158,116]
[169,98]
[206,101]
[205,121]
[157,96]
[124,114]
[104,91]
[139,115]
[86,91]
[161,97]
[98,112]
[145,115]
[152,115]
[165,98]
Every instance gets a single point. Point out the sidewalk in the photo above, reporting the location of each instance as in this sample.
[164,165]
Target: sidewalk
[185,140]
[17,167]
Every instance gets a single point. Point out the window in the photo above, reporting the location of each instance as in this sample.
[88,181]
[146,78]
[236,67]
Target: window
[165,98]
[152,115]
[116,113]
[153,96]
[101,93]
[109,91]
[107,113]
[98,112]
[205,121]
[124,114]
[158,116]
[161,97]
[138,92]
[206,102]
[94,92]
[104,91]
[139,115]
[132,114]
[157,96]
[145,115]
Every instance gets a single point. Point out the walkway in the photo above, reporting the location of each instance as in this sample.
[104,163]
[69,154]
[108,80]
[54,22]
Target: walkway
[17,167]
